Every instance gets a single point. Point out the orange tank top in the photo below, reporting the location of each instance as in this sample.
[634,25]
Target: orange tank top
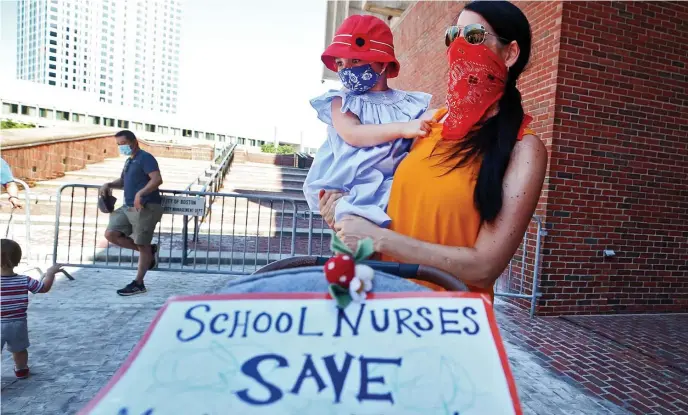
[431,206]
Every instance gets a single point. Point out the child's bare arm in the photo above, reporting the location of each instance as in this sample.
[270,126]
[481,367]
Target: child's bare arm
[49,278]
[351,130]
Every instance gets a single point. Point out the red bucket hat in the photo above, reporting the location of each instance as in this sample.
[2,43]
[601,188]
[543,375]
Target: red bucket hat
[362,37]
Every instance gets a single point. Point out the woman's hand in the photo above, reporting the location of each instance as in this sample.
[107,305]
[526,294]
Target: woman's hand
[351,229]
[327,203]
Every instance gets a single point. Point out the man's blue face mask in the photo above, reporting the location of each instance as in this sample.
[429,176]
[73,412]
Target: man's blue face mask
[125,149]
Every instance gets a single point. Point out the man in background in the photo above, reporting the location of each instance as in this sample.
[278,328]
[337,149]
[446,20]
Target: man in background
[132,226]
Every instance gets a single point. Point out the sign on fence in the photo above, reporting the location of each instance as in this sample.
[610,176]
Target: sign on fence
[183,205]
[402,353]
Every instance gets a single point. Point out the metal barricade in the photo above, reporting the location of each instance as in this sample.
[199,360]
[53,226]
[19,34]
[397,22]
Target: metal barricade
[25,241]
[239,233]
[236,234]
[212,184]
[521,278]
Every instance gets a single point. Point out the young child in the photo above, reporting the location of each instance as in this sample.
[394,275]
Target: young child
[15,300]
[369,124]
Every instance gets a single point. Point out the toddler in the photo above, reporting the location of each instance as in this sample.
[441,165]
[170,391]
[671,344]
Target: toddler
[369,124]
[15,300]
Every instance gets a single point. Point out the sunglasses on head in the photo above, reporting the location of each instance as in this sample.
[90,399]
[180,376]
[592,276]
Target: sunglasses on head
[474,34]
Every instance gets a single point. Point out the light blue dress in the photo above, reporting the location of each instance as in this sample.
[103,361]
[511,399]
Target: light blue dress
[364,173]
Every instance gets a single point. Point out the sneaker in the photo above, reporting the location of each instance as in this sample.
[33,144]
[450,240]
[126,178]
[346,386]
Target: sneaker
[154,264]
[21,373]
[132,288]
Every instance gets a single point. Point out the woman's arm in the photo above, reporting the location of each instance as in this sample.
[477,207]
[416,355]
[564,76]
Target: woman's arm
[497,242]
[351,130]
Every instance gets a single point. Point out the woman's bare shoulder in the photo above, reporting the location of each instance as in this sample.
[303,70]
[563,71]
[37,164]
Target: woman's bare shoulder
[530,153]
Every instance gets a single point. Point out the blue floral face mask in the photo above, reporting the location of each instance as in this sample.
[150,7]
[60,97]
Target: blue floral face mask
[359,79]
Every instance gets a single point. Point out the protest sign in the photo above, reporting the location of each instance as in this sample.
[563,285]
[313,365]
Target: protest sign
[397,353]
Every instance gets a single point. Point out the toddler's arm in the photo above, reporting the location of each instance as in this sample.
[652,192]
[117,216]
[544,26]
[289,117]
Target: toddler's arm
[49,278]
[351,130]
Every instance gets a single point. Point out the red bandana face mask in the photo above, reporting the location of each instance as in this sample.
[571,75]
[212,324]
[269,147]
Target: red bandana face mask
[476,81]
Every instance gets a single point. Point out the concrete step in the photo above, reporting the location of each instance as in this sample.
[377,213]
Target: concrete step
[268,168]
[268,171]
[241,187]
[264,181]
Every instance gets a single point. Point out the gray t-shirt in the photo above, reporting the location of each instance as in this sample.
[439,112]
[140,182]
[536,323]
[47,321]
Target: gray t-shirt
[135,177]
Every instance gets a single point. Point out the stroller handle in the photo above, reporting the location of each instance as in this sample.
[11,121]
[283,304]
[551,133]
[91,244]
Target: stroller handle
[406,271]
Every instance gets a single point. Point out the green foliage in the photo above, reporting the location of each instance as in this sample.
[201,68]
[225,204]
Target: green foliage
[8,124]
[270,148]
[284,149]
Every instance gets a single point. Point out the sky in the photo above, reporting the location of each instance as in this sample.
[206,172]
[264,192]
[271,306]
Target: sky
[255,64]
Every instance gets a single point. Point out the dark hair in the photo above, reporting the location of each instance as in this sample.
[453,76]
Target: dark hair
[126,134]
[495,139]
[11,253]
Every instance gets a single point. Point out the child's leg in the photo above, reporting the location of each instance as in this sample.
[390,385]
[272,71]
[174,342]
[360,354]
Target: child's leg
[16,334]
[21,359]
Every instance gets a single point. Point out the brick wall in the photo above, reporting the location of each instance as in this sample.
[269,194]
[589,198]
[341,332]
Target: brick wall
[620,160]
[608,99]
[178,152]
[241,155]
[420,50]
[538,85]
[48,161]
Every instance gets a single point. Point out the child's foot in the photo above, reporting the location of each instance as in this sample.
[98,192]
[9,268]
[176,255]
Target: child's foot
[132,288]
[154,262]
[21,373]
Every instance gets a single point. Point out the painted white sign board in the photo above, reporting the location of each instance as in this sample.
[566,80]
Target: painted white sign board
[401,353]
[183,205]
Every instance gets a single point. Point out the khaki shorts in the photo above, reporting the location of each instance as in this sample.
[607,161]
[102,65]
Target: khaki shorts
[140,225]
[15,333]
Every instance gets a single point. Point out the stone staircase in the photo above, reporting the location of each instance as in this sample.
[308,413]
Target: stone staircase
[270,206]
[266,179]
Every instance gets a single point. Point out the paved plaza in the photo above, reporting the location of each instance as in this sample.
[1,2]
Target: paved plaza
[81,332]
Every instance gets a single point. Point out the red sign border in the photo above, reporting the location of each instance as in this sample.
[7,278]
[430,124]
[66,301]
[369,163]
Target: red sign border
[314,296]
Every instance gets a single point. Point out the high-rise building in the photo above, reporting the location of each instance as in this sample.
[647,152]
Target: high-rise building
[122,52]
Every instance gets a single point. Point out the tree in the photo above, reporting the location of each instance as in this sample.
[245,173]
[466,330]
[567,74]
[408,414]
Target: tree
[8,124]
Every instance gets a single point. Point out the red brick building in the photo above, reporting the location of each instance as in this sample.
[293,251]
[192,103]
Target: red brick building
[607,86]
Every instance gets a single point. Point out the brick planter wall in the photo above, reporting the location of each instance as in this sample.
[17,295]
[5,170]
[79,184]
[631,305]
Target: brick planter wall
[266,158]
[38,161]
[178,152]
[48,161]
[241,155]
[609,103]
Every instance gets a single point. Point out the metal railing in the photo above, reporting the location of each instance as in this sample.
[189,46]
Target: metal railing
[11,233]
[214,183]
[520,280]
[238,234]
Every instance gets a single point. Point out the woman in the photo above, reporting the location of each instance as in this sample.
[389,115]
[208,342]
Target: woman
[462,199]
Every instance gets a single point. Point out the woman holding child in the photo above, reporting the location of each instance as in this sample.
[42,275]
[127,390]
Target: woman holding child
[462,199]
